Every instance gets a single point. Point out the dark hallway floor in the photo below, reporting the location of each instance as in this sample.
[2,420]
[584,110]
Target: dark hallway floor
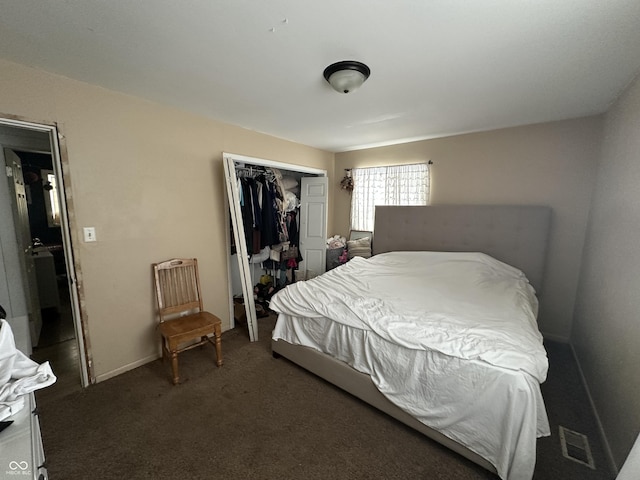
[57,344]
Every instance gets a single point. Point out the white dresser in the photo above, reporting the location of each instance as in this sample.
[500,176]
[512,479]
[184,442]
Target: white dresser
[21,450]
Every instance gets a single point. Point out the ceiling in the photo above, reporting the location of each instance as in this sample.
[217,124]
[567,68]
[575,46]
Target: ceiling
[438,67]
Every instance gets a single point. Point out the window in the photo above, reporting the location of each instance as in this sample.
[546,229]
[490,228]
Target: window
[51,198]
[391,185]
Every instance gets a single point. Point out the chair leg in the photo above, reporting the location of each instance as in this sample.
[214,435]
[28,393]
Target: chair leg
[218,335]
[174,367]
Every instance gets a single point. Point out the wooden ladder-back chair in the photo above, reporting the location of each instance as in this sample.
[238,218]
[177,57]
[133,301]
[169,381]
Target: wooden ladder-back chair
[182,319]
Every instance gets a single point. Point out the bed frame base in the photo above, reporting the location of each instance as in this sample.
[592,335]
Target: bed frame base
[360,385]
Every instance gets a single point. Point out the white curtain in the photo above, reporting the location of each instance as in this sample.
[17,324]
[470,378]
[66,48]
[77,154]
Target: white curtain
[391,185]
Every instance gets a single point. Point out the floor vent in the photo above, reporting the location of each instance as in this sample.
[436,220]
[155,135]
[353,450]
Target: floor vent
[575,446]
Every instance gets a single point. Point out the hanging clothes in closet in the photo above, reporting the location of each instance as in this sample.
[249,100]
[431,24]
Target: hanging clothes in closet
[310,188]
[269,216]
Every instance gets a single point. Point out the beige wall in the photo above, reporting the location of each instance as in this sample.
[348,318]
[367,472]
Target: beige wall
[546,164]
[606,327]
[149,178]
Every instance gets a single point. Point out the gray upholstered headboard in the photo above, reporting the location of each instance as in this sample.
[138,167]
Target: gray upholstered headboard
[516,235]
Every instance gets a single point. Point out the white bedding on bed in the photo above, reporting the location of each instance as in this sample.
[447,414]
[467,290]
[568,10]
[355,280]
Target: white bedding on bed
[451,338]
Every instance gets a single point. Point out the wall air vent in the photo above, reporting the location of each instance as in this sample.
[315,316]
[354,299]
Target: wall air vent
[575,446]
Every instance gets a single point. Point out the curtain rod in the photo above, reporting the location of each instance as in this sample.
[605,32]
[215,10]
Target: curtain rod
[428,162]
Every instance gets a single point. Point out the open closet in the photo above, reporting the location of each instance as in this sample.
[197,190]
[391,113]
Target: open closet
[278,230]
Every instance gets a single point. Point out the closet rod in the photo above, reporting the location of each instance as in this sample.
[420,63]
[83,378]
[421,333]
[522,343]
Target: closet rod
[249,171]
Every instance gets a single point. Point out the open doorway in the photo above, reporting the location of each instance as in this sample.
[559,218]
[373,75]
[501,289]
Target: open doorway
[48,328]
[55,341]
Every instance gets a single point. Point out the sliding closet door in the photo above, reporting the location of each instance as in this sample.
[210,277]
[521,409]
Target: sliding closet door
[313,226]
[241,246]
[312,230]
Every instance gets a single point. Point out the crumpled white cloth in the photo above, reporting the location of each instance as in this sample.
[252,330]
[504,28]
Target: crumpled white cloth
[19,374]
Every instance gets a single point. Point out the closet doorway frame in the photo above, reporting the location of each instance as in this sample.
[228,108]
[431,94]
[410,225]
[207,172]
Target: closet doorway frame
[232,213]
[58,151]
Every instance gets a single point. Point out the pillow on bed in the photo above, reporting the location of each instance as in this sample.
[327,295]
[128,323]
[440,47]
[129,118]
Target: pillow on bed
[359,248]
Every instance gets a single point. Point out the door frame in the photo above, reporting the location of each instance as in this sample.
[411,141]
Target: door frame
[231,215]
[59,159]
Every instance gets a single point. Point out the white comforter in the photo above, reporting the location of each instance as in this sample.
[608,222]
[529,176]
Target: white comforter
[19,374]
[451,338]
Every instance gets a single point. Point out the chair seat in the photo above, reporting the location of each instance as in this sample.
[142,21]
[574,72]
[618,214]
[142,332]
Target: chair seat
[189,326]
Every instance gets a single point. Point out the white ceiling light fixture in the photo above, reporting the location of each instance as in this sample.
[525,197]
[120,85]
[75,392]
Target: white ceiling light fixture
[347,75]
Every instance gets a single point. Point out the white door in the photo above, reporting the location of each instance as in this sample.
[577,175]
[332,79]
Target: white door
[233,195]
[313,226]
[23,237]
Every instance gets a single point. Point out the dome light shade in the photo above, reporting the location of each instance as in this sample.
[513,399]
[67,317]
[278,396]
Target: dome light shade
[347,75]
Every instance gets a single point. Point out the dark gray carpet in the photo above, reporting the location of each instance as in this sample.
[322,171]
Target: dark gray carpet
[263,418]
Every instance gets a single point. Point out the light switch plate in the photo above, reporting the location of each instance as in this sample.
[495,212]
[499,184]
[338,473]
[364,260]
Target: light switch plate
[89,234]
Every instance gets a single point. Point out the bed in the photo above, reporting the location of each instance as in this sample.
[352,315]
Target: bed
[386,335]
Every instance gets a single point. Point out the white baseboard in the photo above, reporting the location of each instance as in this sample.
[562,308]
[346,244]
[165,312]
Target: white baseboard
[126,368]
[603,437]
